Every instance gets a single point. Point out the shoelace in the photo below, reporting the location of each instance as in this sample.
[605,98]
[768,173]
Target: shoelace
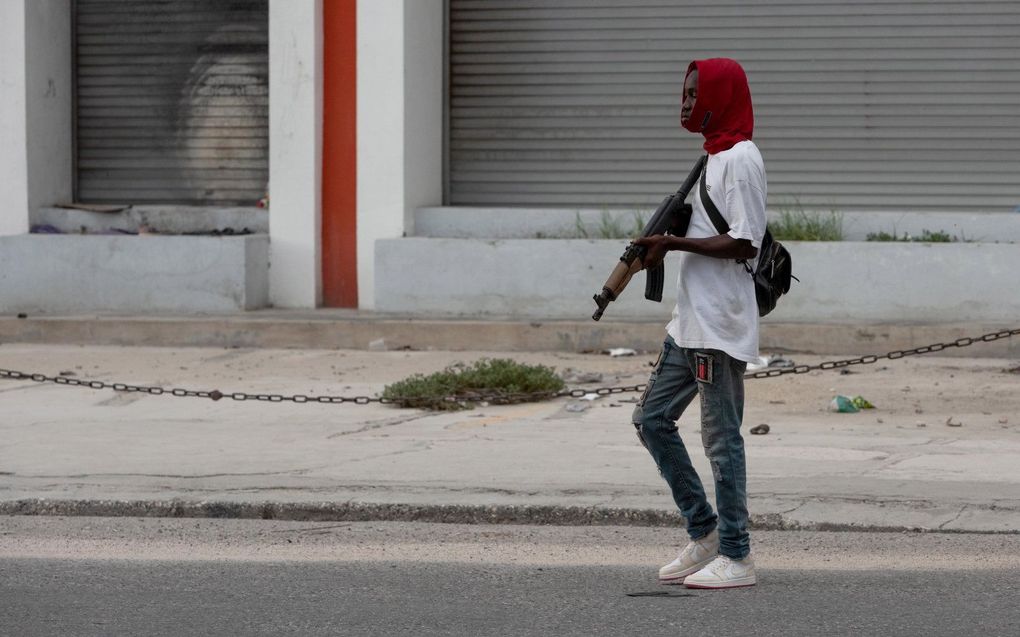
[719,564]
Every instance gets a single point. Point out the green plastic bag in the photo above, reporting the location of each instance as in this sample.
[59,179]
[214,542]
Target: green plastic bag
[843,405]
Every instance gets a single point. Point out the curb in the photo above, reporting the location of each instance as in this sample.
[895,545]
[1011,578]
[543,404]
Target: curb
[437,514]
[363,330]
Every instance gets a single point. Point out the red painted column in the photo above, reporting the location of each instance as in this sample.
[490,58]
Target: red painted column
[339,155]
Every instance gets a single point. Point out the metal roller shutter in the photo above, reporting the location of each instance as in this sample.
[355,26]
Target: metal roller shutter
[888,105]
[172,101]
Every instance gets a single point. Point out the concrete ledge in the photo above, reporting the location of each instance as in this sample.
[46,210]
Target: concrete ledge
[326,329]
[163,219]
[147,273]
[444,514]
[839,281]
[465,222]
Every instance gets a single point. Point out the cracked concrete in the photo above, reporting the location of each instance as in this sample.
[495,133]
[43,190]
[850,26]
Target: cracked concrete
[68,450]
[371,426]
[957,517]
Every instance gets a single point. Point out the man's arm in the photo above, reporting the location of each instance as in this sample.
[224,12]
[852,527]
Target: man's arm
[721,246]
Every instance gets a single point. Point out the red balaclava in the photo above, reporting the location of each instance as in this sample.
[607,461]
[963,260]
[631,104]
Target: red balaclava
[722,110]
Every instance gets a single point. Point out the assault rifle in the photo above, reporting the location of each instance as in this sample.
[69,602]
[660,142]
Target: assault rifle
[672,217]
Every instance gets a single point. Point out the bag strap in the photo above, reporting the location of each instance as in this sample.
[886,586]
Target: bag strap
[716,216]
[713,212]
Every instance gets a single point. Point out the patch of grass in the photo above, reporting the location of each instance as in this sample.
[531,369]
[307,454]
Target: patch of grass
[927,236]
[940,236]
[610,228]
[500,377]
[798,225]
[885,236]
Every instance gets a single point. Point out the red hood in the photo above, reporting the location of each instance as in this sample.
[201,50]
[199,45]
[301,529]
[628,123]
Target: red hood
[722,111]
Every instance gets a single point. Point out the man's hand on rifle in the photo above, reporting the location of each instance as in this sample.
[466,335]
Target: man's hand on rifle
[657,245]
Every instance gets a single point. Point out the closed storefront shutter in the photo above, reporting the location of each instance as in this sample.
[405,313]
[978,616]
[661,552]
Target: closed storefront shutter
[889,105]
[171,101]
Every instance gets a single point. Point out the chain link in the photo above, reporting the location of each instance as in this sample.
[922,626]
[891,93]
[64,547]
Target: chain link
[894,355]
[498,398]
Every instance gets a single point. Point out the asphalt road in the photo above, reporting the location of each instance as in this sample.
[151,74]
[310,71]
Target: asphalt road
[187,577]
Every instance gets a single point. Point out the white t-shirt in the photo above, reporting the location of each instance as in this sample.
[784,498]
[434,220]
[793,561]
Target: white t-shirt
[716,306]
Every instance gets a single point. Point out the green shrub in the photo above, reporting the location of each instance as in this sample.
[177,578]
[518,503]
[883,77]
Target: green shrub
[458,386]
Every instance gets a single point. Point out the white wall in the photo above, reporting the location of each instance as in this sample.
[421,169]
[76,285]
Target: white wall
[48,80]
[400,122]
[840,281]
[13,115]
[71,274]
[295,152]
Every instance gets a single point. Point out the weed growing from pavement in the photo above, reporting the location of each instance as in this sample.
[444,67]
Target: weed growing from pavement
[609,227]
[927,236]
[795,224]
[499,377]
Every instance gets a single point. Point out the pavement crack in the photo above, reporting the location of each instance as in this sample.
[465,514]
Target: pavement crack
[379,424]
[892,462]
[121,400]
[167,475]
[414,449]
[315,530]
[788,511]
[955,517]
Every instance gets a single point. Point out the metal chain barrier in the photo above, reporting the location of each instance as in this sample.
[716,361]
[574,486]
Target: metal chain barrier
[894,355]
[499,398]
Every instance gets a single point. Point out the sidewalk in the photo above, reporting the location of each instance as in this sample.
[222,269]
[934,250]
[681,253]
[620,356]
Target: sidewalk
[70,450]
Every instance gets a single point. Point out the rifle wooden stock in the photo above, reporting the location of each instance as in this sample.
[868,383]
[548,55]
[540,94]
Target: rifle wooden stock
[621,276]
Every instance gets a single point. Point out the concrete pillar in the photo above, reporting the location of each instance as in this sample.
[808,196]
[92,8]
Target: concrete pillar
[13,120]
[295,152]
[36,144]
[49,103]
[400,122]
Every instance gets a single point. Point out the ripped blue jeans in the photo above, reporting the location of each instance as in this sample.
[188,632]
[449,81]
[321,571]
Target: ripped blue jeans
[679,375]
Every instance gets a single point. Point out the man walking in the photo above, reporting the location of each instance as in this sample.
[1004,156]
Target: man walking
[713,334]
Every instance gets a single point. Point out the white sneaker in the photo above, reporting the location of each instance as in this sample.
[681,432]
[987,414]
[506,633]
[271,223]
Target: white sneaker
[724,572]
[692,558]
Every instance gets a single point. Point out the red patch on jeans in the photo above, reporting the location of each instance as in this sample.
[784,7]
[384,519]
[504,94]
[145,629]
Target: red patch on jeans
[703,367]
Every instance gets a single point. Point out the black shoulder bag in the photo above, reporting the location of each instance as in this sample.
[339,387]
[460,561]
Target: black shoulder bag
[775,268]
